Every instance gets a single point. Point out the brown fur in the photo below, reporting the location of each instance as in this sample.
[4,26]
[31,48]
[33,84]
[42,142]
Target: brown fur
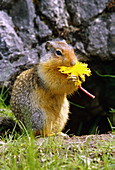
[39,96]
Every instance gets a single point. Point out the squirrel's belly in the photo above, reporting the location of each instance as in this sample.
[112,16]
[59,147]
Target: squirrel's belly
[56,119]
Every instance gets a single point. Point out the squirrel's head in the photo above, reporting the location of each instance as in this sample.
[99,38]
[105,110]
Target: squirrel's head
[58,53]
[55,54]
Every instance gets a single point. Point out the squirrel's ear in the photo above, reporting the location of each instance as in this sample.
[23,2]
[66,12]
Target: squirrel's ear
[48,45]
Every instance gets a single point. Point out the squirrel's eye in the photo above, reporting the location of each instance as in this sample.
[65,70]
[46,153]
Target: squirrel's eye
[58,52]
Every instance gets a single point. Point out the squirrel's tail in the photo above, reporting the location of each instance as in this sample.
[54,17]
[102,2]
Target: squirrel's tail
[8,126]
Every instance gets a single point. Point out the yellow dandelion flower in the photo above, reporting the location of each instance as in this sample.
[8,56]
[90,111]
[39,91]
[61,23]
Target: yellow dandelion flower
[77,72]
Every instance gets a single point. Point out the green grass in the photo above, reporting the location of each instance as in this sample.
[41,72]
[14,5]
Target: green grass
[27,153]
[54,153]
[24,152]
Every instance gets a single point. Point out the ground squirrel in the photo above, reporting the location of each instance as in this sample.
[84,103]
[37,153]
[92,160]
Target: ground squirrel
[39,95]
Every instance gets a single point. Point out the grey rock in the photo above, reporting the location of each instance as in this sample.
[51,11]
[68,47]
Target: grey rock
[83,11]
[23,28]
[98,38]
[9,41]
[111,36]
[6,71]
[13,55]
[6,4]
[43,30]
[55,12]
[80,51]
[20,27]
[23,14]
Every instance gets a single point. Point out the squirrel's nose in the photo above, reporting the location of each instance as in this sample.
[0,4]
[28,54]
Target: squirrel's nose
[73,62]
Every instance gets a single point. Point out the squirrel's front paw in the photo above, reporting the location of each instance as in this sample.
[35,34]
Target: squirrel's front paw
[59,134]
